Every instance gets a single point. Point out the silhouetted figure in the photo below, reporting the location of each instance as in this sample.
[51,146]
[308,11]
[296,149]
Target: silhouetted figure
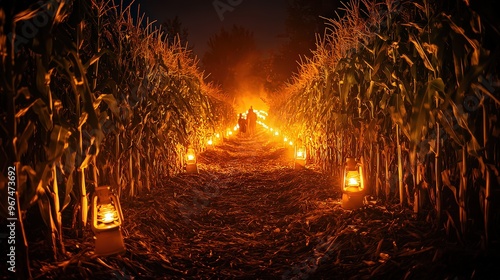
[242,123]
[252,121]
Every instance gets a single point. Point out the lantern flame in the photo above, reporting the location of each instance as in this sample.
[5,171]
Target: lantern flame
[300,152]
[108,217]
[107,213]
[353,182]
[191,156]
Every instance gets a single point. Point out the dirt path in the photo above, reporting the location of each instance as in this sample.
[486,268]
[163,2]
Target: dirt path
[249,215]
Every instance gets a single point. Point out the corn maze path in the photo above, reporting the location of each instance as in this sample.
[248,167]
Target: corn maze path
[248,214]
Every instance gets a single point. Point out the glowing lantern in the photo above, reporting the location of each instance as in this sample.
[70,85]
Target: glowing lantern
[191,163]
[107,219]
[276,133]
[300,155]
[352,185]
[210,142]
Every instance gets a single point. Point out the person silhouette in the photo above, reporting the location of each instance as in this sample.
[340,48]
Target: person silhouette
[242,123]
[252,121]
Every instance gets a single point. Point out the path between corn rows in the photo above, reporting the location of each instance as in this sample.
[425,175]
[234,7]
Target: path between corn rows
[249,215]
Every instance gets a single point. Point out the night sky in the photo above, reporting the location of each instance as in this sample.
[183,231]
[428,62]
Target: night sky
[266,19]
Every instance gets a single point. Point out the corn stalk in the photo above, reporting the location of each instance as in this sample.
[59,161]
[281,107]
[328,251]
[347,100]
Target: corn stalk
[421,66]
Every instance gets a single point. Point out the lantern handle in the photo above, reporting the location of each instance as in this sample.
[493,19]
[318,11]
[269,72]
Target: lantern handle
[103,194]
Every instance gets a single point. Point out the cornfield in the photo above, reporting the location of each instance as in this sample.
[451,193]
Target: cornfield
[93,96]
[410,88]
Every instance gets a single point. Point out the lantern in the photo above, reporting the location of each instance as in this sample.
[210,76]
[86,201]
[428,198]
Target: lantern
[107,219]
[353,188]
[191,163]
[299,155]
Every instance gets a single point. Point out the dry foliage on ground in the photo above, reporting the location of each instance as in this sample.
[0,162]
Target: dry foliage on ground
[248,214]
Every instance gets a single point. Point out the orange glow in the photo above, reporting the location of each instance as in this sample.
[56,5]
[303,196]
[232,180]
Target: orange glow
[107,213]
[190,156]
[301,153]
[353,182]
[108,217]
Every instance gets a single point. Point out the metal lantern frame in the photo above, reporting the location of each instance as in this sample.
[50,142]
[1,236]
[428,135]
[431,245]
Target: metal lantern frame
[300,156]
[107,220]
[191,161]
[353,185]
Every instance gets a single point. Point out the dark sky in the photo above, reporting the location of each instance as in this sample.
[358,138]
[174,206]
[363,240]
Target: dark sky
[265,18]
